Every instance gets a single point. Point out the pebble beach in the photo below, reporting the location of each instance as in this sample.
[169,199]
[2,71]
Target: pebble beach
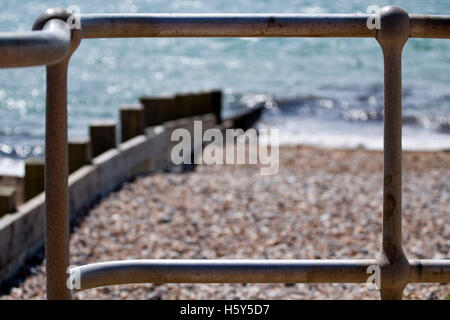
[322,204]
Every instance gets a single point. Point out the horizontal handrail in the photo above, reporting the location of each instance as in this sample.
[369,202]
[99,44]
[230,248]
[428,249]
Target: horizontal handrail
[221,271]
[224,25]
[430,26]
[50,45]
[249,25]
[429,270]
[245,271]
[35,48]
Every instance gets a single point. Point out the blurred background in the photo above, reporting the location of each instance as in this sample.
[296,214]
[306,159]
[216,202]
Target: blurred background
[324,92]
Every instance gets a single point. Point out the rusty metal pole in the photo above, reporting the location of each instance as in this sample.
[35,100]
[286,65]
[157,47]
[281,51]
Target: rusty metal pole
[56,163]
[395,31]
[56,170]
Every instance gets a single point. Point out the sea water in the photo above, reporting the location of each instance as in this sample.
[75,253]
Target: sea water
[324,92]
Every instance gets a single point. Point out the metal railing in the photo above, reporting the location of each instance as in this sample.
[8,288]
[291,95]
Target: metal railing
[52,44]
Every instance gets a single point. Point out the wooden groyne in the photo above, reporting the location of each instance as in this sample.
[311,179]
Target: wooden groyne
[99,164]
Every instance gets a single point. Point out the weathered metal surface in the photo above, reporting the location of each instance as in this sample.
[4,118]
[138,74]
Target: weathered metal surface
[224,25]
[35,48]
[248,25]
[56,172]
[394,32]
[430,26]
[49,45]
[222,271]
[56,182]
[244,271]
[429,270]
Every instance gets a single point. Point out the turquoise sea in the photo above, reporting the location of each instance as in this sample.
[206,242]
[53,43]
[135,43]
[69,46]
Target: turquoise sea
[325,92]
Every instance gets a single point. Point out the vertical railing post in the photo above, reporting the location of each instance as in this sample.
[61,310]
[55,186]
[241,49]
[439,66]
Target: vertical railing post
[56,165]
[394,267]
[56,181]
